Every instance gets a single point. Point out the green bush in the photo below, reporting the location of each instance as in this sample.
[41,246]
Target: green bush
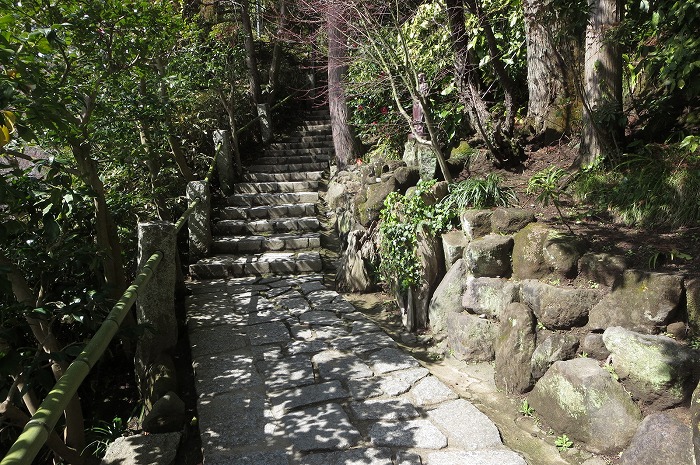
[480,193]
[656,188]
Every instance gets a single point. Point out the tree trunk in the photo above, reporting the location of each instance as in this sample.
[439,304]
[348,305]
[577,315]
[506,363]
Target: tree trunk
[273,77]
[550,93]
[602,93]
[251,59]
[106,229]
[344,141]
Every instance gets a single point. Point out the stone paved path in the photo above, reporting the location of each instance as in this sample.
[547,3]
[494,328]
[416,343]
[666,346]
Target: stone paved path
[286,370]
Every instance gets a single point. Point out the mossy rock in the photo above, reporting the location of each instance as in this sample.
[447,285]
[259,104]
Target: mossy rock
[656,370]
[368,210]
[579,398]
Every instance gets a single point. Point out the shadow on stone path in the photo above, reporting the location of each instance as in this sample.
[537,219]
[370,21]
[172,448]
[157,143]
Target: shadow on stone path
[288,372]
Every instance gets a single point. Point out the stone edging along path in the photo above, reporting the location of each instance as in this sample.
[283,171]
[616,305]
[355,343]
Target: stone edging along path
[288,372]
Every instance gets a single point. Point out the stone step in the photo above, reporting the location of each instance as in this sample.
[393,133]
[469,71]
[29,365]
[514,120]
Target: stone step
[317,123]
[269,177]
[288,167]
[259,200]
[226,266]
[257,243]
[271,225]
[317,130]
[319,113]
[301,139]
[295,210]
[292,158]
[274,187]
[308,145]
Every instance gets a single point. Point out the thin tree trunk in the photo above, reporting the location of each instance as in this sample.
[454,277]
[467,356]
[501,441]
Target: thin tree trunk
[251,59]
[174,143]
[153,165]
[74,433]
[504,80]
[344,141]
[275,65]
[492,129]
[602,100]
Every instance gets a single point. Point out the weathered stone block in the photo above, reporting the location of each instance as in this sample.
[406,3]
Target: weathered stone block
[602,268]
[475,223]
[446,298]
[489,296]
[692,292]
[553,348]
[642,302]
[510,220]
[453,244]
[368,211]
[657,370]
[581,399]
[514,348]
[556,307]
[489,256]
[471,338]
[660,440]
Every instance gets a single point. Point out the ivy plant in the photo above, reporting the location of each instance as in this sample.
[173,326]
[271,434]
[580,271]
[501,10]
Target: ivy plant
[401,219]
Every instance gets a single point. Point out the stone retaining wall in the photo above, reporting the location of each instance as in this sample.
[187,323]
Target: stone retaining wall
[595,345]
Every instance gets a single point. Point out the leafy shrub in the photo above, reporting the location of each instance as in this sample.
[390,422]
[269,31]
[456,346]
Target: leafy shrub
[658,187]
[480,193]
[401,219]
[546,185]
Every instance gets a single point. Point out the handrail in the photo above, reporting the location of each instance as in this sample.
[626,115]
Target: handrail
[42,423]
[186,214]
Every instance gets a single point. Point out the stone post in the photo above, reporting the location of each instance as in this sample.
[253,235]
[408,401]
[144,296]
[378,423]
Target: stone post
[199,223]
[155,311]
[224,160]
[265,122]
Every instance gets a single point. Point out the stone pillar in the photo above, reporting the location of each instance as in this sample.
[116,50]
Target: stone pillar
[199,223]
[155,310]
[224,160]
[265,122]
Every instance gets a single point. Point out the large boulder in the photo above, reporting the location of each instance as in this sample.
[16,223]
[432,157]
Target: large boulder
[430,254]
[602,268]
[660,440]
[453,244]
[368,210]
[514,348]
[581,399]
[489,296]
[447,297]
[557,307]
[553,347]
[489,256]
[539,251]
[510,220]
[643,302]
[656,370]
[470,338]
[475,223]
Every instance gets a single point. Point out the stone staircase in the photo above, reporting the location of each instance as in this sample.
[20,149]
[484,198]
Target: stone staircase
[269,224]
